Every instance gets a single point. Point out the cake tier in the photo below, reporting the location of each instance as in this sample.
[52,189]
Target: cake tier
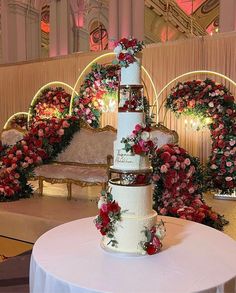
[127,161]
[127,122]
[135,200]
[129,234]
[131,75]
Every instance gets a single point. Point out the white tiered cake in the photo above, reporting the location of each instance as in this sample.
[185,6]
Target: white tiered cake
[134,199]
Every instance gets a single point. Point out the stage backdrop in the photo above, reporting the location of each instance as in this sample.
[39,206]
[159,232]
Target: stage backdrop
[19,82]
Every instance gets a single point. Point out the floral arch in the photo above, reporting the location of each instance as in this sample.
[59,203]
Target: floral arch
[212,101]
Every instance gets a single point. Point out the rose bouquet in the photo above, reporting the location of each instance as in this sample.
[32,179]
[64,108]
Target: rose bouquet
[178,180]
[126,50]
[109,215]
[139,142]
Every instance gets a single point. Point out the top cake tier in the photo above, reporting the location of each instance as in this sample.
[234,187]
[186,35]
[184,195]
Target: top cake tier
[131,75]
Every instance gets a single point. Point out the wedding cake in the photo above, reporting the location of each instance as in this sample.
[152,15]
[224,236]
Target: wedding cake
[126,220]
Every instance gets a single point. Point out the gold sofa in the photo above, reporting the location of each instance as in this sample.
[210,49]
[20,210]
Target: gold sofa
[84,162]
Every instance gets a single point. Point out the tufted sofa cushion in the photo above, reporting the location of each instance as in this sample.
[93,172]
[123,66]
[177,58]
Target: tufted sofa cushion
[89,146]
[11,136]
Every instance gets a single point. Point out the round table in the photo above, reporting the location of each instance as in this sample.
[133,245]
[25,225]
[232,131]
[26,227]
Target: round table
[194,258]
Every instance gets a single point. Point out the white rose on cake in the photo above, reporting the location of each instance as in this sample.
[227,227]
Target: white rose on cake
[118,49]
[145,135]
[102,200]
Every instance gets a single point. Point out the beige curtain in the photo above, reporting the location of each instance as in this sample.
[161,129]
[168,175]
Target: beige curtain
[20,82]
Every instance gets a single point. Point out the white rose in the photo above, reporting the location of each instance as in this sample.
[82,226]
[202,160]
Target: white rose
[213,166]
[101,201]
[118,49]
[145,135]
[232,142]
[161,232]
[211,104]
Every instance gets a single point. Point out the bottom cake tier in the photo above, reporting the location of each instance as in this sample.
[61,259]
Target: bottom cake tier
[129,234]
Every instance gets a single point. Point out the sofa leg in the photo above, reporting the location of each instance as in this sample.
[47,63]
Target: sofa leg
[69,189]
[104,185]
[40,186]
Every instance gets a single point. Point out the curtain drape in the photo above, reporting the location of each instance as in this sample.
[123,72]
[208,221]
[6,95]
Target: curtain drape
[19,82]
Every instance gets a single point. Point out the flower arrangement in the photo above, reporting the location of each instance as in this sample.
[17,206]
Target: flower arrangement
[132,105]
[109,214]
[154,236]
[101,81]
[18,121]
[139,142]
[126,50]
[210,100]
[178,180]
[52,102]
[44,140]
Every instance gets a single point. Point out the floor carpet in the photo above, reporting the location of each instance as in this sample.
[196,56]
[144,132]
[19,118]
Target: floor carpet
[14,274]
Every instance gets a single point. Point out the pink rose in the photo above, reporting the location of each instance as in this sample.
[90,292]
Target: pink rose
[229,164]
[164,169]
[65,124]
[187,161]
[183,166]
[138,127]
[228,179]
[104,207]
[60,131]
[18,152]
[40,133]
[173,158]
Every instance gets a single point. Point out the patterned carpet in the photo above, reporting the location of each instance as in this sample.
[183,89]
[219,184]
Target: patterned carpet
[14,274]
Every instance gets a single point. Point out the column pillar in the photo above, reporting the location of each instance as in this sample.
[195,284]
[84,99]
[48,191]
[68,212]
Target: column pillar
[113,23]
[125,18]
[227,15]
[20,32]
[59,28]
[138,19]
[81,39]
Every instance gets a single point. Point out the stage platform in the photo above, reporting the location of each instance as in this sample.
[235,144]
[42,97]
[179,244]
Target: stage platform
[27,219]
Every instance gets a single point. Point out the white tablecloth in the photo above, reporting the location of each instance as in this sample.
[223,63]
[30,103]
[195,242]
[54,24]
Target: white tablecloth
[194,258]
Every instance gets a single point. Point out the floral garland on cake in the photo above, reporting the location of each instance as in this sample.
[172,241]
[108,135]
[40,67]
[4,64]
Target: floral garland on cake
[45,139]
[208,99]
[178,180]
[52,102]
[102,81]
[139,142]
[153,236]
[109,214]
[126,50]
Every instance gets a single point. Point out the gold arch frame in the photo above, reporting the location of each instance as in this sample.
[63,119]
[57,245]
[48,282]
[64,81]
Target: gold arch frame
[99,58]
[44,87]
[183,75]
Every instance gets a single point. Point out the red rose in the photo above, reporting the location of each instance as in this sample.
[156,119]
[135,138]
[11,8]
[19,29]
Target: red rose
[132,43]
[151,249]
[137,149]
[221,144]
[228,99]
[166,157]
[121,56]
[105,218]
